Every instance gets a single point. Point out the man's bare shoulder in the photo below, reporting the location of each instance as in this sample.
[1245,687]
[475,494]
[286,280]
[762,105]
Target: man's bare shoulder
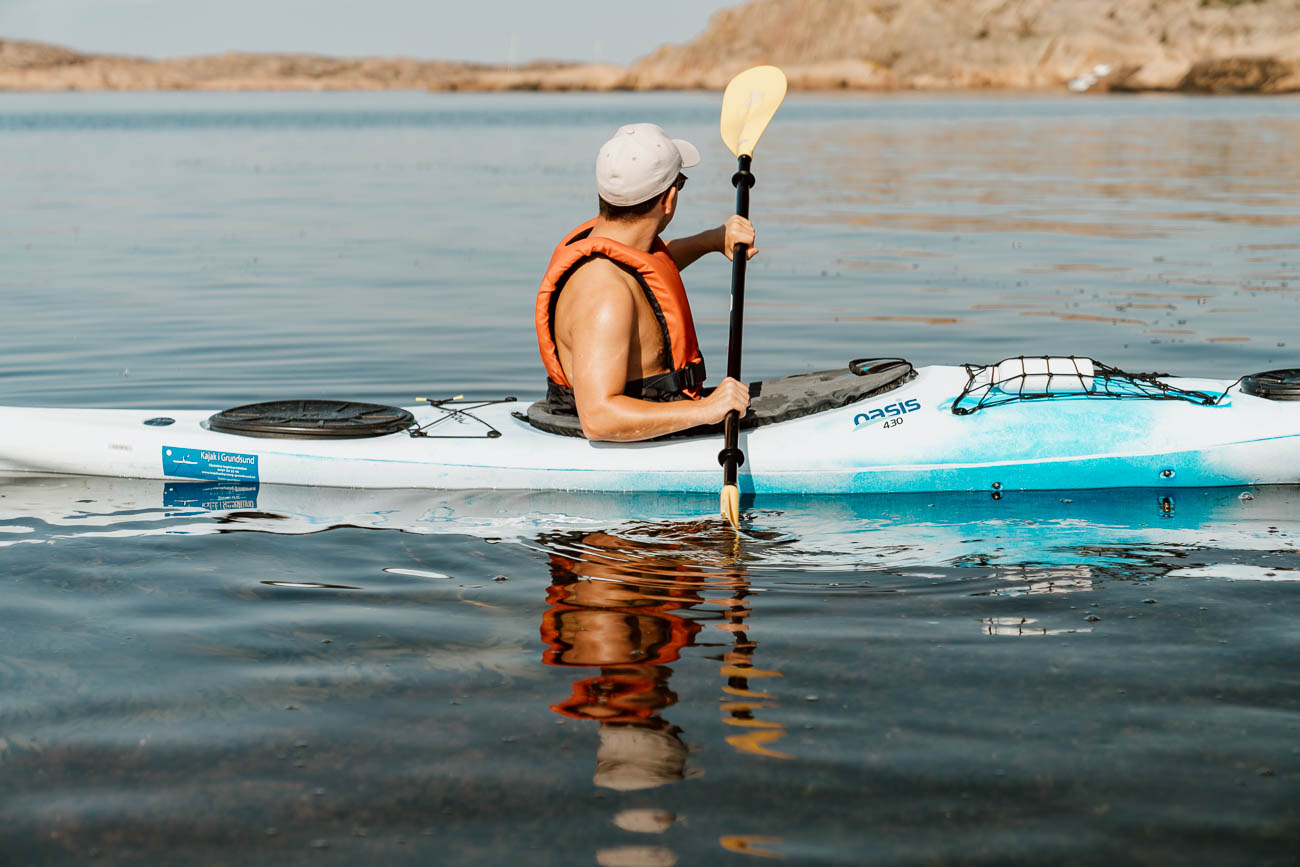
[598,290]
[600,275]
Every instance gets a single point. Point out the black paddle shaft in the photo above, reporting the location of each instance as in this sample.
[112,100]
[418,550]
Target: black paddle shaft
[731,456]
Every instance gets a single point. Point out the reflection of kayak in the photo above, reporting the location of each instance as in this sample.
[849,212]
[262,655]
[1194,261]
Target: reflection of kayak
[943,429]
[1050,529]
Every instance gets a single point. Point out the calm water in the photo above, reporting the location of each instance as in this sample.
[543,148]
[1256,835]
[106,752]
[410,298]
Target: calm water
[226,674]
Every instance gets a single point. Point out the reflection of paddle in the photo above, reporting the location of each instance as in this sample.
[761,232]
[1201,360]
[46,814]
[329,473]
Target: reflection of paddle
[748,104]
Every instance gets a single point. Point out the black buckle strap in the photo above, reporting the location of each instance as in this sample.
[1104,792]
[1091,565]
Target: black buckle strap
[670,382]
[660,387]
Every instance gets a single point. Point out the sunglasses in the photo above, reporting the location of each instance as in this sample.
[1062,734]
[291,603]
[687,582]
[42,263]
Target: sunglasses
[680,182]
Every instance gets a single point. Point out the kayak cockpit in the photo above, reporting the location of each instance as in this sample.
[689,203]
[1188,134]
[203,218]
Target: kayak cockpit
[772,400]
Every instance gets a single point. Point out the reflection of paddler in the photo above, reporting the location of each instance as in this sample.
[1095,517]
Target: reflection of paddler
[629,632]
[637,757]
[614,608]
[607,610]
[605,623]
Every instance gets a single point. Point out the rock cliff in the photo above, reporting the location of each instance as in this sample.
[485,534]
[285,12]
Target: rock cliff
[1199,45]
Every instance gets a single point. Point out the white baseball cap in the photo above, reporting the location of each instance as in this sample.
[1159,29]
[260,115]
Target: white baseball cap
[640,162]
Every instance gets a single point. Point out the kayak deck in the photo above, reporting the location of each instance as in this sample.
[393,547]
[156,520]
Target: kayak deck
[907,439]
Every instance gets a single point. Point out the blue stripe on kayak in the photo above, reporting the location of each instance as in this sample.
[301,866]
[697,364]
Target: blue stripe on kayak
[1213,466]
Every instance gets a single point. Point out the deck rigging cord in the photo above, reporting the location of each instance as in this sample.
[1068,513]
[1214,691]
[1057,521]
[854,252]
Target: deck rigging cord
[461,413]
[1045,377]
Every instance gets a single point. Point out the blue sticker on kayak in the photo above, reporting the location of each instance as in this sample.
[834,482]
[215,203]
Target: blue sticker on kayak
[208,464]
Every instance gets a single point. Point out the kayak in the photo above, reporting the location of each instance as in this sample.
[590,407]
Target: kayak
[1022,424]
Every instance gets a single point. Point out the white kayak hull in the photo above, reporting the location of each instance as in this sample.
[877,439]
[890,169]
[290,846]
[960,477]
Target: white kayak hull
[907,439]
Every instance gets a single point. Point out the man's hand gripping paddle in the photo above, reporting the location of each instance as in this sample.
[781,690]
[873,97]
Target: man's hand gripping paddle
[748,104]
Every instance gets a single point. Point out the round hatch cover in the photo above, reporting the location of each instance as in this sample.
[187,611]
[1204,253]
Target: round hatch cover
[1274,384]
[312,419]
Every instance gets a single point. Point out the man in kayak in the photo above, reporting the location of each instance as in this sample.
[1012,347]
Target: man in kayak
[613,322]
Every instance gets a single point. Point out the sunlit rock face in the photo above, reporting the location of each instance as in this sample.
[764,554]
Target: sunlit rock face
[1024,44]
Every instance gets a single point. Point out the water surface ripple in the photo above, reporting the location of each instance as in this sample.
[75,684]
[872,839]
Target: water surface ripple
[227,673]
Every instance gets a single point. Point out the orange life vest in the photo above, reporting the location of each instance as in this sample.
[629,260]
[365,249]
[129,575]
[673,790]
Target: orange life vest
[662,283]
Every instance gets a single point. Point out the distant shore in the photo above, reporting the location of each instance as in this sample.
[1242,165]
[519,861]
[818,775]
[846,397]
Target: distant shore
[28,66]
[1191,46]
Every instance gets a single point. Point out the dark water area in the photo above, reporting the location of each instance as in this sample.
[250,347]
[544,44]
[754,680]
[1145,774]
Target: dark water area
[921,680]
[233,674]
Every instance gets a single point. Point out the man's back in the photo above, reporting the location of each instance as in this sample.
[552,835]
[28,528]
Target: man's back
[601,289]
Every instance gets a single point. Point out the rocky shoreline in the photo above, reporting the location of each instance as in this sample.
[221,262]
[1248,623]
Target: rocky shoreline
[1198,46]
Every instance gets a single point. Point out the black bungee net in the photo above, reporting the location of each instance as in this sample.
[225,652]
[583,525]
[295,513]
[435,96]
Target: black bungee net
[1008,381]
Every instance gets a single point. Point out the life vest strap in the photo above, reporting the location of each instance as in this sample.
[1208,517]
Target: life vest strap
[660,388]
[672,382]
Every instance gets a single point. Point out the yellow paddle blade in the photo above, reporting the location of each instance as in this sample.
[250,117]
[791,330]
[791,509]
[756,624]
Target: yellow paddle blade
[731,505]
[748,104]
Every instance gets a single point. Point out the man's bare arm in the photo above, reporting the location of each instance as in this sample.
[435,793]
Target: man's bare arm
[598,315]
[722,239]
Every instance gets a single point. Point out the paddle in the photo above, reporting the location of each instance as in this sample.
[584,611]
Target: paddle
[748,104]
